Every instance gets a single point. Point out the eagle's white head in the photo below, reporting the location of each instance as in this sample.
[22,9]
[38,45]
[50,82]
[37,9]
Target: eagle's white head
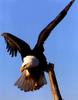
[29,62]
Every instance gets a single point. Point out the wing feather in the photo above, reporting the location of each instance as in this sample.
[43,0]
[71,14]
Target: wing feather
[47,30]
[14,44]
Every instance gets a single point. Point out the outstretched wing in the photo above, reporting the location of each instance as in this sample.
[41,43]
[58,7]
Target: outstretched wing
[15,44]
[46,31]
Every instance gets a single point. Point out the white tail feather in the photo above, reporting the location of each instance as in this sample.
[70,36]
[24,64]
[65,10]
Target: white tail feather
[29,83]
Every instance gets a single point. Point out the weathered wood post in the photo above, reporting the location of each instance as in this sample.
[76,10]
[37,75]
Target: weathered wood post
[53,83]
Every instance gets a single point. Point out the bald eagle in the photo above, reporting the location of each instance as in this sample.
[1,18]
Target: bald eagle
[34,61]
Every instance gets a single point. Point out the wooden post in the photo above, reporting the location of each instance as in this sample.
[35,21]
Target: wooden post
[53,83]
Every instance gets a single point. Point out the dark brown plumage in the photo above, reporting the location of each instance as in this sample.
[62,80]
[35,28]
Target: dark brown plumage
[14,45]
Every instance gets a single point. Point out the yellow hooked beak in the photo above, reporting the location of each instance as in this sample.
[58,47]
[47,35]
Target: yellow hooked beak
[24,67]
